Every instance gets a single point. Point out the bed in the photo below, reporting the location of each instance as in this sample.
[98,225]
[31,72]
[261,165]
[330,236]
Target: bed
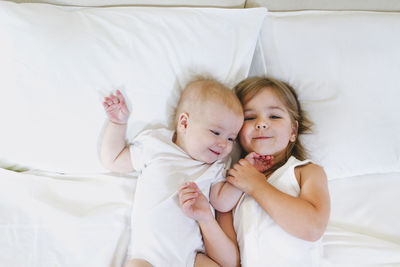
[60,207]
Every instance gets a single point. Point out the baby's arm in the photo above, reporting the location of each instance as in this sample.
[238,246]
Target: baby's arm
[305,216]
[114,153]
[220,245]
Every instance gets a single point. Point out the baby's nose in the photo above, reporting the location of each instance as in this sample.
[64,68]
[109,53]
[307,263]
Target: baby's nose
[222,143]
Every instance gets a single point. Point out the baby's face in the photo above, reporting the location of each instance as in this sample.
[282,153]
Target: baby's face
[210,135]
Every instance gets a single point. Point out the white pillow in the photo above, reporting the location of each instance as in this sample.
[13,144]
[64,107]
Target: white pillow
[57,63]
[345,67]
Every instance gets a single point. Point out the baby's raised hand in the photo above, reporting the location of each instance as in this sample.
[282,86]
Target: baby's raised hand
[260,162]
[116,108]
[193,202]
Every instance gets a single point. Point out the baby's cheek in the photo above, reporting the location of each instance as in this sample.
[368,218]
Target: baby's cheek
[228,149]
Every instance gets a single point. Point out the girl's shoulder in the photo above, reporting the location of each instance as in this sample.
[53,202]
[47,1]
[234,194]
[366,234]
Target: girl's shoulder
[310,166]
[309,171]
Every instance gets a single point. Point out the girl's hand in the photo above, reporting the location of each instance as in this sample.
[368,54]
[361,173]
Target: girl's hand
[245,176]
[116,109]
[193,203]
[260,162]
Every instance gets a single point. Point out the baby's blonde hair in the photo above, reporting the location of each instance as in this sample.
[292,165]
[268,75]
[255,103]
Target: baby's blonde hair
[249,87]
[201,91]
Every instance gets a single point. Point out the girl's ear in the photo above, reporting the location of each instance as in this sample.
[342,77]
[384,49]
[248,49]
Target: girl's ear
[182,121]
[293,136]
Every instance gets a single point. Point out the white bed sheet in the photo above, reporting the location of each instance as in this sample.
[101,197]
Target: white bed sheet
[60,220]
[84,220]
[364,225]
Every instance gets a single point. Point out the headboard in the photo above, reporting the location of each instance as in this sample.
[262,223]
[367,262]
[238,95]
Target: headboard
[180,3]
[272,5]
[294,5]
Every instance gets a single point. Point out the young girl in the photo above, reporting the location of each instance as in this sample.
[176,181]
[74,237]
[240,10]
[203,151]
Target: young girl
[285,208]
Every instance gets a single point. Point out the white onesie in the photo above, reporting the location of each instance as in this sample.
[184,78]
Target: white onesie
[161,233]
[264,243]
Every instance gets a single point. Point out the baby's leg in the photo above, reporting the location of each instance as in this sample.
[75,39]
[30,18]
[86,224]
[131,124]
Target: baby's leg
[137,263]
[204,261]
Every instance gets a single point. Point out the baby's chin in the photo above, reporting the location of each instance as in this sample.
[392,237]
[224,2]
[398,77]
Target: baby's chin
[209,159]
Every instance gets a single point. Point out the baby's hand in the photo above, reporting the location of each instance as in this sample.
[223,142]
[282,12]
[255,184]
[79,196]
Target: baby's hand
[260,162]
[116,108]
[193,202]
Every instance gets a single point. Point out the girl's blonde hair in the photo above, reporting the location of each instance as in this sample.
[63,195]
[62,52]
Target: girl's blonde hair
[249,87]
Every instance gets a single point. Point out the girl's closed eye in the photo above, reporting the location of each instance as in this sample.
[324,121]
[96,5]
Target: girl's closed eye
[275,117]
[249,118]
[214,132]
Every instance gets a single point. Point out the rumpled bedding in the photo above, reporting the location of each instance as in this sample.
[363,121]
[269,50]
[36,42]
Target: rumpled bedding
[51,219]
[64,220]
[363,229]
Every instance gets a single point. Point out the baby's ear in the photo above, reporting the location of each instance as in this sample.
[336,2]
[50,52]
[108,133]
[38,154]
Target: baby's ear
[295,127]
[182,121]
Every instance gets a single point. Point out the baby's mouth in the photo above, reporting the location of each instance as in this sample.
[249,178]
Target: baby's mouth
[215,152]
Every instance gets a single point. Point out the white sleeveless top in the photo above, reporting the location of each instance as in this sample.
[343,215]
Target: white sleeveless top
[264,243]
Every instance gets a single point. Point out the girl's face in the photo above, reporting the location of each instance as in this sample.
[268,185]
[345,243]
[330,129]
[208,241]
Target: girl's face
[267,127]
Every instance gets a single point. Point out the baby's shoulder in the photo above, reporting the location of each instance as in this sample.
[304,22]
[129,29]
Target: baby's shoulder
[152,135]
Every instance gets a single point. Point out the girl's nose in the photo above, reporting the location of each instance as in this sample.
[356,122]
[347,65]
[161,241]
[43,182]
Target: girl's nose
[261,125]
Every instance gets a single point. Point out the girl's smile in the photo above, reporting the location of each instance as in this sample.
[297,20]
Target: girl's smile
[261,137]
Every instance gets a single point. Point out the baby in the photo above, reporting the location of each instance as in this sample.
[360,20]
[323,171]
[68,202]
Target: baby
[208,119]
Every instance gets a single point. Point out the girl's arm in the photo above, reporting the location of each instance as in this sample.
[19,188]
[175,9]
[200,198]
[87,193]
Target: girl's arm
[224,196]
[225,221]
[220,246]
[305,216]
[114,153]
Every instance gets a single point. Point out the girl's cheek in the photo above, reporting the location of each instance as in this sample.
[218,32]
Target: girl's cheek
[245,130]
[243,136]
